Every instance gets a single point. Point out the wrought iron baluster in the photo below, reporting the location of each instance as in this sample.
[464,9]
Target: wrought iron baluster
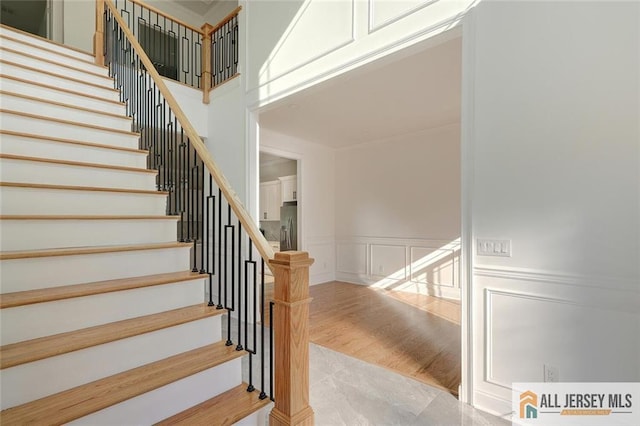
[239,347]
[263,394]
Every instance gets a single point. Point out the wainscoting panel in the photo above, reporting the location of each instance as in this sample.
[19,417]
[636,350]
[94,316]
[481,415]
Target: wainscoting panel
[524,321]
[328,24]
[424,266]
[385,12]
[388,261]
[435,266]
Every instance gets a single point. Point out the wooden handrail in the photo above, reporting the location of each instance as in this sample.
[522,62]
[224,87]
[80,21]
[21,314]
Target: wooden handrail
[236,205]
[166,15]
[224,20]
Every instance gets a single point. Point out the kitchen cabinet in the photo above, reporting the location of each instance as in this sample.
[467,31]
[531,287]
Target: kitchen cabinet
[289,188]
[270,200]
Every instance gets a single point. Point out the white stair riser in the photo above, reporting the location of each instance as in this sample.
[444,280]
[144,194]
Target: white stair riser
[168,400]
[58,81]
[32,147]
[86,365]
[44,319]
[61,174]
[37,200]
[54,68]
[46,109]
[58,57]
[55,271]
[52,46]
[54,129]
[51,94]
[48,234]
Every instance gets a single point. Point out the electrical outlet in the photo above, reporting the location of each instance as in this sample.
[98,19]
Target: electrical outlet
[551,373]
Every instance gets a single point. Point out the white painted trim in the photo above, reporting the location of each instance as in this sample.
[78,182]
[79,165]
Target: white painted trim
[314,58]
[488,347]
[610,283]
[427,289]
[363,273]
[372,27]
[492,404]
[448,26]
[467,126]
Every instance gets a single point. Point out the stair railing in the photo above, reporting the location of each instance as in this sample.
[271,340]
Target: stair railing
[226,243]
[202,58]
[221,50]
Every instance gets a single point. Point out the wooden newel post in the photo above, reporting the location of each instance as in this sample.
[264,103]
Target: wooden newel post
[206,62]
[98,37]
[291,330]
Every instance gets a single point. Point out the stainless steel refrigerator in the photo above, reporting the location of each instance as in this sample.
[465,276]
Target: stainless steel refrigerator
[289,226]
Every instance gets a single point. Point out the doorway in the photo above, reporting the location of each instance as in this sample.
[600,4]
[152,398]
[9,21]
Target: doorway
[279,197]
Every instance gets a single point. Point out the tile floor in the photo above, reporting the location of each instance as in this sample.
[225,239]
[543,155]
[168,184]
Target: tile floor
[345,391]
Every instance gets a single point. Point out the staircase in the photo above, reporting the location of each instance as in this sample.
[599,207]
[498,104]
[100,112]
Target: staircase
[102,320]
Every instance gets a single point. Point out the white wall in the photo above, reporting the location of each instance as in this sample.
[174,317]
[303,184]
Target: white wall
[177,11]
[79,24]
[398,212]
[316,198]
[226,141]
[295,44]
[551,121]
[190,100]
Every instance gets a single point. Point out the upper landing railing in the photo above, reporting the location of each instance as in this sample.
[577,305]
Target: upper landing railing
[199,57]
[227,246]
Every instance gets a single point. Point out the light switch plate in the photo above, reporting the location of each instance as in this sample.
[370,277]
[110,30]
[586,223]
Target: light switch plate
[500,248]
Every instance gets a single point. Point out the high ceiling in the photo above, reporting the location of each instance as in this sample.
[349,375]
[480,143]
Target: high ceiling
[201,7]
[405,94]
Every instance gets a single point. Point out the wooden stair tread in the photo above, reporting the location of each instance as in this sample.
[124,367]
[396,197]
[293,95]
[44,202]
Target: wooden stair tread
[55,63]
[41,71]
[58,344]
[38,47]
[75,251]
[64,105]
[225,409]
[76,163]
[68,122]
[51,42]
[28,297]
[81,188]
[80,401]
[60,89]
[70,141]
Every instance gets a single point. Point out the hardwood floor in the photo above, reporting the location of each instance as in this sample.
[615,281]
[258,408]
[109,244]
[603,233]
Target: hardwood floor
[414,335]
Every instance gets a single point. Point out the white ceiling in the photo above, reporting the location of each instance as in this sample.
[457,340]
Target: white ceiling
[403,95]
[201,7]
[269,159]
